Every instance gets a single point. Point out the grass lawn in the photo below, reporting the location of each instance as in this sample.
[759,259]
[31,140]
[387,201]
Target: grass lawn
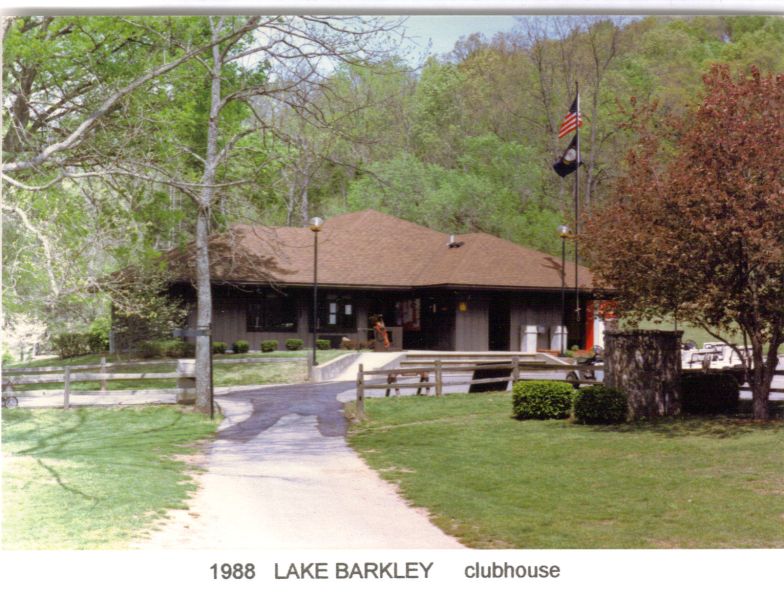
[94,478]
[226,373]
[495,482]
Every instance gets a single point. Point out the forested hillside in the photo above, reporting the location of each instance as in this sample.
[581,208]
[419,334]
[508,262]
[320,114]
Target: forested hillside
[344,121]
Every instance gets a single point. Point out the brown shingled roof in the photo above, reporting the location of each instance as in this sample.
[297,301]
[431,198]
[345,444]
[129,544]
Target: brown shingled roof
[372,249]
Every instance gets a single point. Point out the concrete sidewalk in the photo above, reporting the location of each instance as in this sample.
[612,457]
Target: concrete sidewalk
[281,475]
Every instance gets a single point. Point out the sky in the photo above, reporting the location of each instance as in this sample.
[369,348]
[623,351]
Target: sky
[444,31]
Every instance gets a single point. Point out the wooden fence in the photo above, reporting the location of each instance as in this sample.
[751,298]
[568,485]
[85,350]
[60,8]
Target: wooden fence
[517,369]
[438,368]
[74,373]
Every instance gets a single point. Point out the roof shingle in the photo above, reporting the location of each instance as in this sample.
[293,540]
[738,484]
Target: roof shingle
[373,249]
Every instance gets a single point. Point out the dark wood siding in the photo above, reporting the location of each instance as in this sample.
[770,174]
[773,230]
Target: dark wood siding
[471,326]
[544,309]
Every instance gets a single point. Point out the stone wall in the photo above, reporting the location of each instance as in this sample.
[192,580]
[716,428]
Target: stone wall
[646,365]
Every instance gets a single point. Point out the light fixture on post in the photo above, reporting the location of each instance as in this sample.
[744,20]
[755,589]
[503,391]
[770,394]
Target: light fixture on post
[564,233]
[315,227]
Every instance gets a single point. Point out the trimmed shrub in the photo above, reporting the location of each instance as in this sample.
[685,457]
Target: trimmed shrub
[709,393]
[323,344]
[270,345]
[294,344]
[219,347]
[542,399]
[241,347]
[600,404]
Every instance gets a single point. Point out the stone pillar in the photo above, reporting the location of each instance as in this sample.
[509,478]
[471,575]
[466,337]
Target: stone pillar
[646,365]
[186,381]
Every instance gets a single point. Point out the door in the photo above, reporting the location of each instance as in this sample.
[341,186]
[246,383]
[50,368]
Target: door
[499,324]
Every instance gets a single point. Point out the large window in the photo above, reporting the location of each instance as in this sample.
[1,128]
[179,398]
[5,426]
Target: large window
[336,313]
[272,312]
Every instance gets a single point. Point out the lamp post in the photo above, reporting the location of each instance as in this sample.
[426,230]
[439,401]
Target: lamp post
[564,233]
[315,227]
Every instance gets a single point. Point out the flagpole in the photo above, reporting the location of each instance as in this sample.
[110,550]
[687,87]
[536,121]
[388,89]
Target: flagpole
[576,210]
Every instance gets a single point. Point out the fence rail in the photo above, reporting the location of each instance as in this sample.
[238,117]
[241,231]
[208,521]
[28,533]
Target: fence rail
[438,368]
[66,376]
[136,363]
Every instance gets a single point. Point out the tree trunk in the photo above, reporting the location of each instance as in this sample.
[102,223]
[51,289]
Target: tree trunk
[762,372]
[203,282]
[304,207]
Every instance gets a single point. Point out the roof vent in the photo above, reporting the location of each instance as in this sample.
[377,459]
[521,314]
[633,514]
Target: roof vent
[454,244]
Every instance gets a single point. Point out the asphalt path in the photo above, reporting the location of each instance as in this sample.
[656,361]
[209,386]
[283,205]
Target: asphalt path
[280,475]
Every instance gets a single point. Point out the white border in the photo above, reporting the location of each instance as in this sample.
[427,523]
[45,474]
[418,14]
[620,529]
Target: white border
[390,7]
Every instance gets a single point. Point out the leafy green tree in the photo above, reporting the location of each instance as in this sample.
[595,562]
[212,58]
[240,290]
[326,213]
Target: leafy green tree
[699,233]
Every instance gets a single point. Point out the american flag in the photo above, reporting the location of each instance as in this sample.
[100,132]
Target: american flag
[571,121]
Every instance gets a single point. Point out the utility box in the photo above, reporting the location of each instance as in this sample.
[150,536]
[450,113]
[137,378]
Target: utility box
[186,381]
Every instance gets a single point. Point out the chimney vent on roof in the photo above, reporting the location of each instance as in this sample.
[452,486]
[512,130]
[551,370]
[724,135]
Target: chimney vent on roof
[453,243]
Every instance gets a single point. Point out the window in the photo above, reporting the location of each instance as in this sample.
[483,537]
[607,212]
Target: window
[336,313]
[272,312]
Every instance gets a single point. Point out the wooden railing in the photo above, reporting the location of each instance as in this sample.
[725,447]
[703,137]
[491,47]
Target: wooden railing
[438,368]
[70,374]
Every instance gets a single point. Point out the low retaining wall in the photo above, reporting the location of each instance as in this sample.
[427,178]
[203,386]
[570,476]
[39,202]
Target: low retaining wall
[333,368]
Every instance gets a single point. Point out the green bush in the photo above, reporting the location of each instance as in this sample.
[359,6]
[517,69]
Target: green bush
[542,399]
[323,344]
[68,345]
[219,347]
[599,404]
[294,344]
[709,393]
[270,345]
[240,347]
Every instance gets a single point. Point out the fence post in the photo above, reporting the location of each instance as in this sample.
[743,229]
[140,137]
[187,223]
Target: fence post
[309,359]
[103,372]
[67,388]
[439,378]
[361,393]
[515,369]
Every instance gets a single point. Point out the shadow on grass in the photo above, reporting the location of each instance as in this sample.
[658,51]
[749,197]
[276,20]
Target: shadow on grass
[713,426]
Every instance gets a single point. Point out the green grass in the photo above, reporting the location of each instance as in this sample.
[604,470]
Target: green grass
[495,482]
[226,373]
[697,334]
[94,478]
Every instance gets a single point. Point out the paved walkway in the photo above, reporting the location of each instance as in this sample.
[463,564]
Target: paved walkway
[280,475]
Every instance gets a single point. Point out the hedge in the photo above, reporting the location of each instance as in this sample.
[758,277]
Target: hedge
[269,345]
[294,344]
[600,404]
[542,399]
[709,393]
[240,347]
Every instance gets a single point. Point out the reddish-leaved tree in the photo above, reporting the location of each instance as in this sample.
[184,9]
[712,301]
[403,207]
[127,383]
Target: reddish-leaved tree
[696,230]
